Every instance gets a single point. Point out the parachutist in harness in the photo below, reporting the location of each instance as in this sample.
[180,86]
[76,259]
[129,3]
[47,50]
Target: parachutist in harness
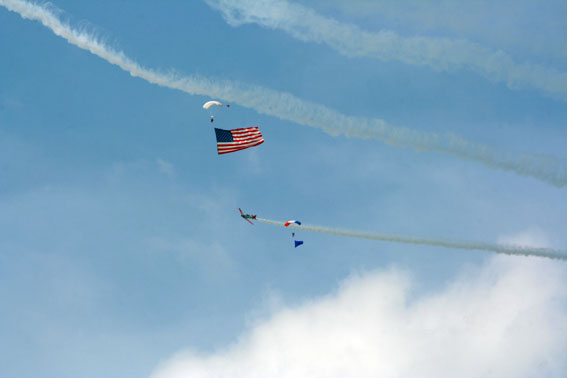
[297,243]
[208,104]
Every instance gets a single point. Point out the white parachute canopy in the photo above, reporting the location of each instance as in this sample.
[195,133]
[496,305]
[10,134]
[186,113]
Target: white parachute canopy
[208,104]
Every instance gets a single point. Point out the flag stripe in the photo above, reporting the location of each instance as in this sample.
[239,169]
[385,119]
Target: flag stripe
[255,139]
[224,147]
[245,136]
[239,145]
[227,149]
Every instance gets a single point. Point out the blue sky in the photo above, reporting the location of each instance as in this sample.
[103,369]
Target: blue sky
[122,253]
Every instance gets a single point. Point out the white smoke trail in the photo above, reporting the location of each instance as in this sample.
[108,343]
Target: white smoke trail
[285,106]
[445,243]
[441,54]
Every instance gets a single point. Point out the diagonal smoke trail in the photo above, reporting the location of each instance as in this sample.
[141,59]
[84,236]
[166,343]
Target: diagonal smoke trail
[441,54]
[479,246]
[285,106]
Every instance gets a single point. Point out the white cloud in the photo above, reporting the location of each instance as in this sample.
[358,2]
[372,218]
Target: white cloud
[533,236]
[166,168]
[212,260]
[507,319]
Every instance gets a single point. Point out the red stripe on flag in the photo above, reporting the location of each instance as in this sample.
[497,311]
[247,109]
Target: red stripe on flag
[226,148]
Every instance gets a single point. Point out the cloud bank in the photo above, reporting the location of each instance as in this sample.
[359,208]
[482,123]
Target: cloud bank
[440,54]
[285,106]
[507,319]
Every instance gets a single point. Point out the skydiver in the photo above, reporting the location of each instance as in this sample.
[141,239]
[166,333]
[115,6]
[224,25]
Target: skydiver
[212,119]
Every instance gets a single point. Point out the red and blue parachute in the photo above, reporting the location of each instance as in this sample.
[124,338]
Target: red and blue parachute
[292,222]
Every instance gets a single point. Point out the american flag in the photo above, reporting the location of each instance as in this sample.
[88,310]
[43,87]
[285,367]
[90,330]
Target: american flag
[237,139]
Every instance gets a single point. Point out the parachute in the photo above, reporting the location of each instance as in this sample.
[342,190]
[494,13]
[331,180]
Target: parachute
[292,222]
[287,224]
[208,104]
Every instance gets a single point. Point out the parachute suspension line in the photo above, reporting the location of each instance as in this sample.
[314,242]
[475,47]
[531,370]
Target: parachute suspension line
[209,104]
